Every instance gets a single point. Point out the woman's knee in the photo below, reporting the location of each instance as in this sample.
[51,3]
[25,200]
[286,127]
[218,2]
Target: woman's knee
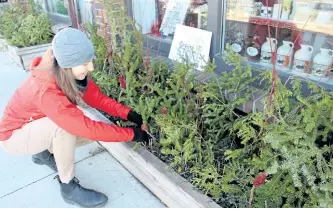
[63,133]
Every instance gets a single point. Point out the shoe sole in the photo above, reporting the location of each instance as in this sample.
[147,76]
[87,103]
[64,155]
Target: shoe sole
[39,162]
[77,204]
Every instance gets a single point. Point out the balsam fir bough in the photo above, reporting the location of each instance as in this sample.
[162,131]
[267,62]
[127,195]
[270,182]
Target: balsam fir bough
[278,157]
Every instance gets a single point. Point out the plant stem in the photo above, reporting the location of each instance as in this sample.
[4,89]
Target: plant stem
[251,197]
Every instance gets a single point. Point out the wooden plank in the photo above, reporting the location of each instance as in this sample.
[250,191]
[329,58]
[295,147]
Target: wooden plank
[173,190]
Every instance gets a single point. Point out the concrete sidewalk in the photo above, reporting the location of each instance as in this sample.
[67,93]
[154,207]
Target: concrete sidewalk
[24,184]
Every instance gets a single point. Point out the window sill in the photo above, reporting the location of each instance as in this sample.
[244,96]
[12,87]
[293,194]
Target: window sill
[59,18]
[158,44]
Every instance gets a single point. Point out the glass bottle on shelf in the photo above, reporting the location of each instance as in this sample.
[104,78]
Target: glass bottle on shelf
[238,43]
[253,48]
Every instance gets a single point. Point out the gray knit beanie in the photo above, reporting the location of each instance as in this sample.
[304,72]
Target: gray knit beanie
[71,48]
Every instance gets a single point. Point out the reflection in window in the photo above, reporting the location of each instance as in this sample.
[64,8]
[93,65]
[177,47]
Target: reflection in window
[159,17]
[58,6]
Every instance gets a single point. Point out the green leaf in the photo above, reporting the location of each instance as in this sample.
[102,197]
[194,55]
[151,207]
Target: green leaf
[273,169]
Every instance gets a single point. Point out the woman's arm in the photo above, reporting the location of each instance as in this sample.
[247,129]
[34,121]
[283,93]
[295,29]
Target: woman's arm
[96,99]
[55,105]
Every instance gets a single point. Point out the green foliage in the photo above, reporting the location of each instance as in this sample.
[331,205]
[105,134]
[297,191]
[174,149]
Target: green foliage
[34,30]
[204,139]
[33,8]
[99,45]
[286,141]
[10,18]
[25,27]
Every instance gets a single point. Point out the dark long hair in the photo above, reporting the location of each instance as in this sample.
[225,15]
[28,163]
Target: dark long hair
[66,82]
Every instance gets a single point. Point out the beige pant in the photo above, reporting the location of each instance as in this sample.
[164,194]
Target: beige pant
[43,134]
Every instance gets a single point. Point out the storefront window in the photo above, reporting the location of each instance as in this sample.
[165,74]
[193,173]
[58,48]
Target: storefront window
[159,17]
[298,32]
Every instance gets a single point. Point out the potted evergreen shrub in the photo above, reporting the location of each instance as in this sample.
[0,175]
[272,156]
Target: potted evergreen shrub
[26,31]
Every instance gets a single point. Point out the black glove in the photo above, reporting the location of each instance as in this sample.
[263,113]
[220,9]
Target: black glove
[135,118]
[140,136]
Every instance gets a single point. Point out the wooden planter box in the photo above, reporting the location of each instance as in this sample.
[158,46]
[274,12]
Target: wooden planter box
[23,56]
[172,189]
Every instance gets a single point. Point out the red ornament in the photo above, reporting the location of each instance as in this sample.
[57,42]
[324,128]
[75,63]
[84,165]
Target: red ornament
[155,28]
[144,127]
[164,111]
[152,29]
[157,31]
[122,82]
[260,179]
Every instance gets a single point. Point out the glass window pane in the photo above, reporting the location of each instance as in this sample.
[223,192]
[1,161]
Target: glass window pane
[300,30]
[159,17]
[58,7]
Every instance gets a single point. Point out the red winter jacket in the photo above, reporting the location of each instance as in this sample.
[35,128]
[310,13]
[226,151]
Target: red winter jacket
[38,97]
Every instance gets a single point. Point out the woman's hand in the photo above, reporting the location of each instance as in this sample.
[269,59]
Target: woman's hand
[135,118]
[140,136]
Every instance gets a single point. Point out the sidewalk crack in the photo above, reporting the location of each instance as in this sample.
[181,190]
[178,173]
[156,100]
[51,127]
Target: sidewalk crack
[26,185]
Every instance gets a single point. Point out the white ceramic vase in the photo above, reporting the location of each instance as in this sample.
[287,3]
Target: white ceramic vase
[322,62]
[267,50]
[302,59]
[284,54]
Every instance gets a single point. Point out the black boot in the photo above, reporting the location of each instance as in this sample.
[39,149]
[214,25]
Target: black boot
[45,158]
[74,193]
